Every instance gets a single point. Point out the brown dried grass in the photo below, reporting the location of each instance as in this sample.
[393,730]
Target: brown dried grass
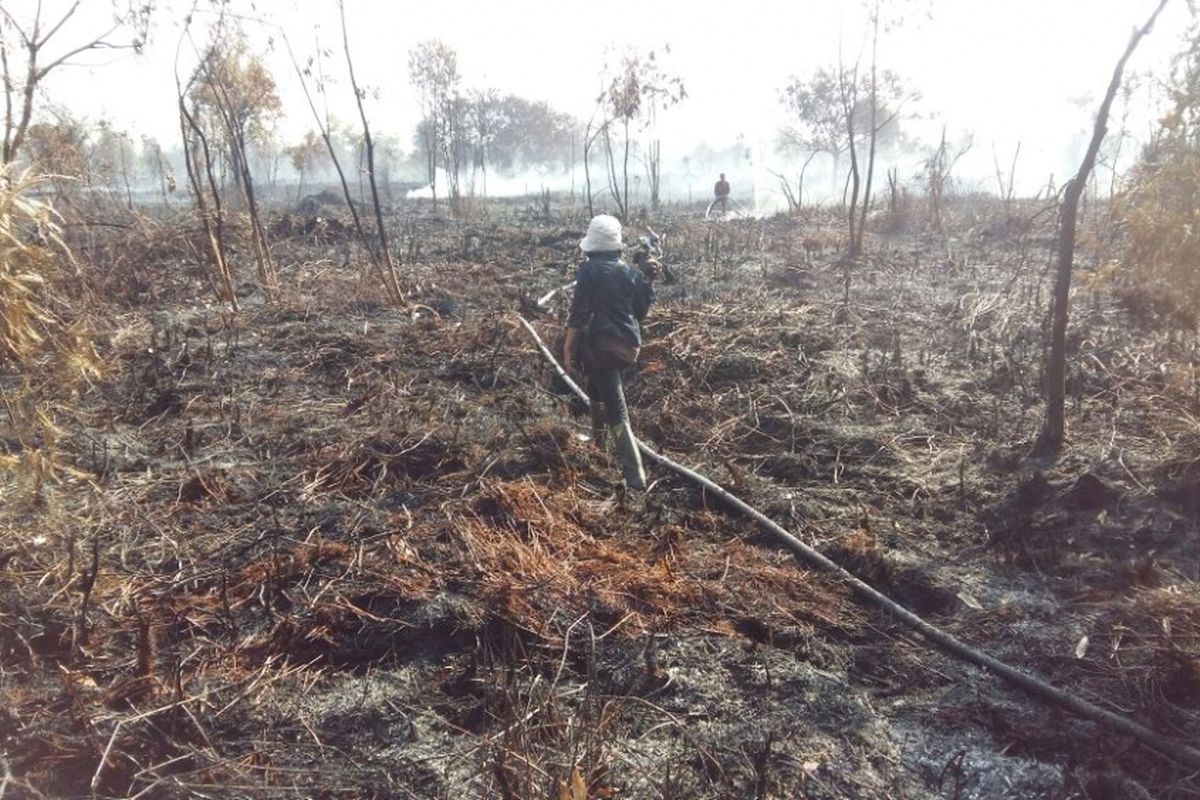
[533,552]
[1150,644]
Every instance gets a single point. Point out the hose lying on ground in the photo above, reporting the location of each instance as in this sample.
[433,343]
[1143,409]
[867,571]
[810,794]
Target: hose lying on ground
[741,210]
[1030,683]
[550,294]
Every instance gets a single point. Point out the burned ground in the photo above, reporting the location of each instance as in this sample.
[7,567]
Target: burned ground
[327,548]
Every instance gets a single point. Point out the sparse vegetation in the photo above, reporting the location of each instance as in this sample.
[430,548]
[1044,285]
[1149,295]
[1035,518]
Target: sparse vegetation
[45,348]
[1159,284]
[291,506]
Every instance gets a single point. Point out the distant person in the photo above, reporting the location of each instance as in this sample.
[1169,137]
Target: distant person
[721,194]
[604,335]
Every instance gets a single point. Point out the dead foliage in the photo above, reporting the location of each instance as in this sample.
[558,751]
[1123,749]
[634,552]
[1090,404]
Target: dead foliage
[329,493]
[534,554]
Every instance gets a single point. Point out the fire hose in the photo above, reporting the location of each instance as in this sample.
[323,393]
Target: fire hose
[1036,686]
[739,208]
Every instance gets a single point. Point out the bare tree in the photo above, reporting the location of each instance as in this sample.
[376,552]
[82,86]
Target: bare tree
[113,158]
[836,111]
[304,157]
[848,88]
[817,129]
[156,165]
[872,129]
[36,41]
[886,98]
[386,266]
[486,118]
[869,105]
[200,157]
[198,160]
[433,69]
[1050,440]
[661,93]
[636,90]
[1006,188]
[595,128]
[795,195]
[325,126]
[234,95]
[816,109]
[938,168]
[623,100]
[60,147]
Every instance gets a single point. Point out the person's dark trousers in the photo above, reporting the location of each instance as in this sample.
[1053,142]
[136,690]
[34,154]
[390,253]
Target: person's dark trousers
[609,412]
[607,391]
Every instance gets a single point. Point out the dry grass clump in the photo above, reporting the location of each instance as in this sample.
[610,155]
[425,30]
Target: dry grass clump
[42,348]
[1160,285]
[34,306]
[368,464]
[24,269]
[1148,647]
[531,554]
[534,550]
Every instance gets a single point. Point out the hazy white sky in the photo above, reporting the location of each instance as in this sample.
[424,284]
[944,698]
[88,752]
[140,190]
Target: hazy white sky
[1009,70]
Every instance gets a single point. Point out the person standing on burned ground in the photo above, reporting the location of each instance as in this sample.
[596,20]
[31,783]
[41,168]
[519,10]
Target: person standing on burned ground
[721,191]
[604,335]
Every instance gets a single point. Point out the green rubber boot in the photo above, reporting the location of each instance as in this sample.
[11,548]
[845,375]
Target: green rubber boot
[598,428]
[631,459]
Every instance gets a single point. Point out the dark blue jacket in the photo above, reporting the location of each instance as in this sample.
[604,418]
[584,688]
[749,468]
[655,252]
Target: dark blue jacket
[610,297]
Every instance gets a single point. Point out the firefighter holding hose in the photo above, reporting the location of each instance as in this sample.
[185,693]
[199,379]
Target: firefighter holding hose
[604,335]
[721,191]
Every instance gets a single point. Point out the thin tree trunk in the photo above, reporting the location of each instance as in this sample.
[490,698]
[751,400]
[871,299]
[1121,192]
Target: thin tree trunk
[431,148]
[614,185]
[212,229]
[386,267]
[625,168]
[1012,173]
[855,182]
[848,102]
[1053,432]
[239,156]
[258,234]
[8,102]
[125,177]
[587,168]
[800,180]
[13,142]
[866,198]
[359,231]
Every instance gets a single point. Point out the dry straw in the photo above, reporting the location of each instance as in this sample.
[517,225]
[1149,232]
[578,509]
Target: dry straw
[41,349]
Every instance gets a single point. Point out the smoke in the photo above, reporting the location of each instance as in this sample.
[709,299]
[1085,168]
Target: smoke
[755,166]
[497,184]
